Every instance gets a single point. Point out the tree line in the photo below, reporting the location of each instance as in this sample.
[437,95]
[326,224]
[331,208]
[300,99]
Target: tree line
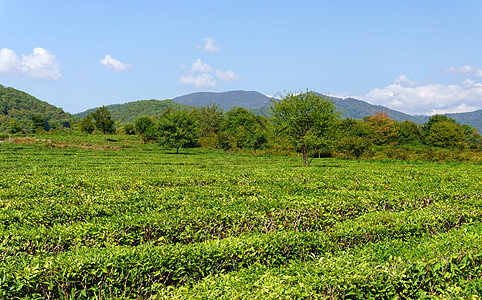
[304,122]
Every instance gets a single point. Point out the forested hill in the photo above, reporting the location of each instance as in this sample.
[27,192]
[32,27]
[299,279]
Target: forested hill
[131,111]
[357,109]
[15,104]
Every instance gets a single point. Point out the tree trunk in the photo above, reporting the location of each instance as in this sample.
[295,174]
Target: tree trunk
[177,150]
[304,156]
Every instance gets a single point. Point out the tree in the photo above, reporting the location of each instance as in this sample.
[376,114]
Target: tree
[247,129]
[446,134]
[142,123]
[355,145]
[86,125]
[383,128]
[427,127]
[408,132]
[128,128]
[308,119]
[177,129]
[146,128]
[210,120]
[103,121]
[39,123]
[14,126]
[472,136]
[257,140]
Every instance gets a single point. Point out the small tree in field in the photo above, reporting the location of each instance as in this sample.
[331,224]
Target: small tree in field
[177,129]
[103,121]
[86,125]
[308,119]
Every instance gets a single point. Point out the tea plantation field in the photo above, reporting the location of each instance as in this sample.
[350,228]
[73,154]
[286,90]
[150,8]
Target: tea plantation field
[142,223]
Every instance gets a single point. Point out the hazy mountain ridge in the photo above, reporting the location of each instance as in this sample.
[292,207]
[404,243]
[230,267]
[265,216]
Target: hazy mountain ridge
[226,100]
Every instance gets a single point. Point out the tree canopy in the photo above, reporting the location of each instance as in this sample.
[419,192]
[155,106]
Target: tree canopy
[103,121]
[308,119]
[177,129]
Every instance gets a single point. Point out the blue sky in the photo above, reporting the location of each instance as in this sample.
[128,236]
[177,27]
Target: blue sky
[419,57]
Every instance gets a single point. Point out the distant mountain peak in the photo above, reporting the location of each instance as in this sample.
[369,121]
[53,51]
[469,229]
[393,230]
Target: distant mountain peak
[226,100]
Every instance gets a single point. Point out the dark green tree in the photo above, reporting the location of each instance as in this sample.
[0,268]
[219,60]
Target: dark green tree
[103,121]
[308,119]
[177,129]
[408,132]
[128,128]
[142,124]
[39,123]
[258,140]
[242,125]
[14,126]
[427,127]
[86,125]
[446,134]
[355,145]
[472,136]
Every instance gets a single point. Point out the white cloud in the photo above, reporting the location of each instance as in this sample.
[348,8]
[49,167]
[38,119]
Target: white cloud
[113,64]
[9,62]
[209,46]
[41,64]
[200,81]
[459,109]
[415,98]
[465,71]
[198,65]
[227,76]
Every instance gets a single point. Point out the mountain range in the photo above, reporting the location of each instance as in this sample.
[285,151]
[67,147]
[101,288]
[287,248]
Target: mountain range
[20,105]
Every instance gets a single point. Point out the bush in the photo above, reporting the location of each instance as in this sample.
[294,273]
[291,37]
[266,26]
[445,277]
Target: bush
[128,128]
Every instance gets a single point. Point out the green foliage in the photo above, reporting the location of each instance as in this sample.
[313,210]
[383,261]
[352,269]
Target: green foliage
[308,119]
[14,126]
[210,120]
[258,140]
[446,134]
[472,137]
[354,128]
[177,130]
[354,145]
[427,127]
[39,123]
[142,124]
[225,141]
[409,132]
[128,128]
[103,120]
[86,125]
